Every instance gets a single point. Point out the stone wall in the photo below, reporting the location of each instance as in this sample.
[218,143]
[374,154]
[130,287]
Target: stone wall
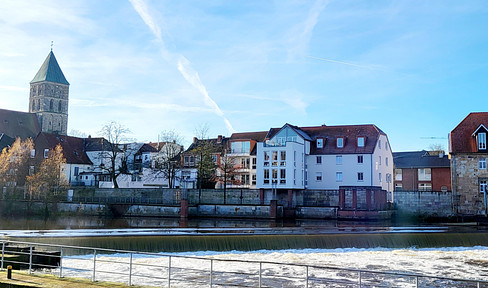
[466,176]
[424,203]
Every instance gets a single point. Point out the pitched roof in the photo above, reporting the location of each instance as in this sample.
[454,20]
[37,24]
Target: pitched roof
[256,136]
[19,124]
[73,147]
[97,144]
[331,133]
[50,71]
[420,159]
[5,141]
[217,146]
[461,137]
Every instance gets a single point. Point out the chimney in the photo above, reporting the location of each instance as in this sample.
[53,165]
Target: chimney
[219,139]
[441,154]
[195,139]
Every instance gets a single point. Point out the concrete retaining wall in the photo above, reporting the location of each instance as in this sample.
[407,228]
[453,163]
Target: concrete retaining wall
[317,212]
[424,203]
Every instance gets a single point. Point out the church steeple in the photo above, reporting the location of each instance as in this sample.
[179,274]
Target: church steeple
[49,97]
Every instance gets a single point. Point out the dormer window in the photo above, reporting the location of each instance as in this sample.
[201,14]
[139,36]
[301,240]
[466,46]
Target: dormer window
[482,141]
[340,142]
[361,141]
[320,143]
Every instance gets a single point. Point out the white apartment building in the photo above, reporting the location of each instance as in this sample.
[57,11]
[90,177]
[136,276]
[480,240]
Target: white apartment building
[324,157]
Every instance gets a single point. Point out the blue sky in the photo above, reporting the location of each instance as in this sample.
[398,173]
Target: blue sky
[413,68]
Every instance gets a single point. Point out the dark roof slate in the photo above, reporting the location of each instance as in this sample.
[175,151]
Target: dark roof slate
[5,141]
[420,159]
[19,124]
[50,71]
[73,147]
[256,136]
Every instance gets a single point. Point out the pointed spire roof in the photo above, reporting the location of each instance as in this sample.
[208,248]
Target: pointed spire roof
[50,71]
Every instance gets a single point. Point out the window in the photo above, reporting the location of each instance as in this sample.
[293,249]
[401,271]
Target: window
[319,159]
[253,163]
[379,144]
[59,106]
[360,159]
[320,143]
[282,173]
[33,153]
[245,163]
[46,153]
[318,176]
[240,147]
[31,170]
[360,141]
[482,163]
[379,177]
[386,161]
[425,187]
[281,140]
[266,155]
[275,173]
[482,141]
[360,176]
[275,155]
[398,174]
[253,179]
[340,142]
[386,146]
[379,160]
[483,186]
[339,160]
[424,174]
[283,155]
[339,176]
[51,105]
[266,176]
[398,187]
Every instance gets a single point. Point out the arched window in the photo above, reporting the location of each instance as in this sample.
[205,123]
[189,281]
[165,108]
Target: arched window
[33,105]
[38,104]
[51,105]
[59,106]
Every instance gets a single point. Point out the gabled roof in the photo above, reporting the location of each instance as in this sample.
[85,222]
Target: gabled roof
[256,136]
[331,133]
[217,146]
[97,144]
[461,137]
[73,147]
[50,71]
[419,159]
[478,129]
[19,124]
[5,141]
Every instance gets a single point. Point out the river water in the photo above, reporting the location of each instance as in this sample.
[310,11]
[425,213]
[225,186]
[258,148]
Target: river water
[442,250]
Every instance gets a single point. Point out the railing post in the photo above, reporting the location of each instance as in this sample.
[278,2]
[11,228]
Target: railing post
[30,259]
[94,265]
[260,273]
[360,280]
[3,253]
[211,273]
[130,270]
[306,280]
[169,271]
[61,263]
[417,281]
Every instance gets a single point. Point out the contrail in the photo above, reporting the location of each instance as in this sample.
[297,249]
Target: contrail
[340,62]
[183,65]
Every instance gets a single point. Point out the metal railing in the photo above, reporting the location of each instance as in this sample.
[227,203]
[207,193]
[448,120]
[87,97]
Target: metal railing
[165,270]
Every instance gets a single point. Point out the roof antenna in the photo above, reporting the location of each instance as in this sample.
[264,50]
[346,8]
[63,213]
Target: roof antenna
[52,46]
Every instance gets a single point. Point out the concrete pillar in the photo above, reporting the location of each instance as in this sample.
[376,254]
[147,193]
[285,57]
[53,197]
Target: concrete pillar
[290,198]
[354,199]
[184,208]
[261,196]
[273,209]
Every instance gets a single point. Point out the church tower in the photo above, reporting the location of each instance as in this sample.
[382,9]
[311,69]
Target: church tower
[49,97]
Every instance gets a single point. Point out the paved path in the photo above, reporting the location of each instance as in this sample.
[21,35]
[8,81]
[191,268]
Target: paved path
[21,279]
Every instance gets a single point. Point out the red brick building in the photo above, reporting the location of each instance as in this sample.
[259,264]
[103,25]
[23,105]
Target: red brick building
[422,171]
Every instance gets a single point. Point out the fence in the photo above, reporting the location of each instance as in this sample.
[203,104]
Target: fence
[153,269]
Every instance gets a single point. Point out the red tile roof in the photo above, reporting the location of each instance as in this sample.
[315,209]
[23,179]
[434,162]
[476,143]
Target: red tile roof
[257,136]
[73,147]
[461,138]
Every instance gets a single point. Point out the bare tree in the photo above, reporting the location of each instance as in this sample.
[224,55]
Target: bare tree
[201,131]
[167,158]
[436,149]
[227,168]
[77,133]
[49,179]
[116,134]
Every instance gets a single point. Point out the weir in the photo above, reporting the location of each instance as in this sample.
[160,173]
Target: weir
[186,243]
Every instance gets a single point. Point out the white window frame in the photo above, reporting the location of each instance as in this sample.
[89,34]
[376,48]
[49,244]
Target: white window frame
[482,141]
[320,143]
[318,160]
[339,160]
[360,176]
[338,176]
[361,141]
[483,186]
[482,163]
[318,176]
[340,142]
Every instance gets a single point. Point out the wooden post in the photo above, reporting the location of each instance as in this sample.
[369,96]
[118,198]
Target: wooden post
[290,198]
[273,209]
[354,199]
[261,196]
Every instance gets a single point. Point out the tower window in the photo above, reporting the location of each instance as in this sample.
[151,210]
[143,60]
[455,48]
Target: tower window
[51,105]
[59,106]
